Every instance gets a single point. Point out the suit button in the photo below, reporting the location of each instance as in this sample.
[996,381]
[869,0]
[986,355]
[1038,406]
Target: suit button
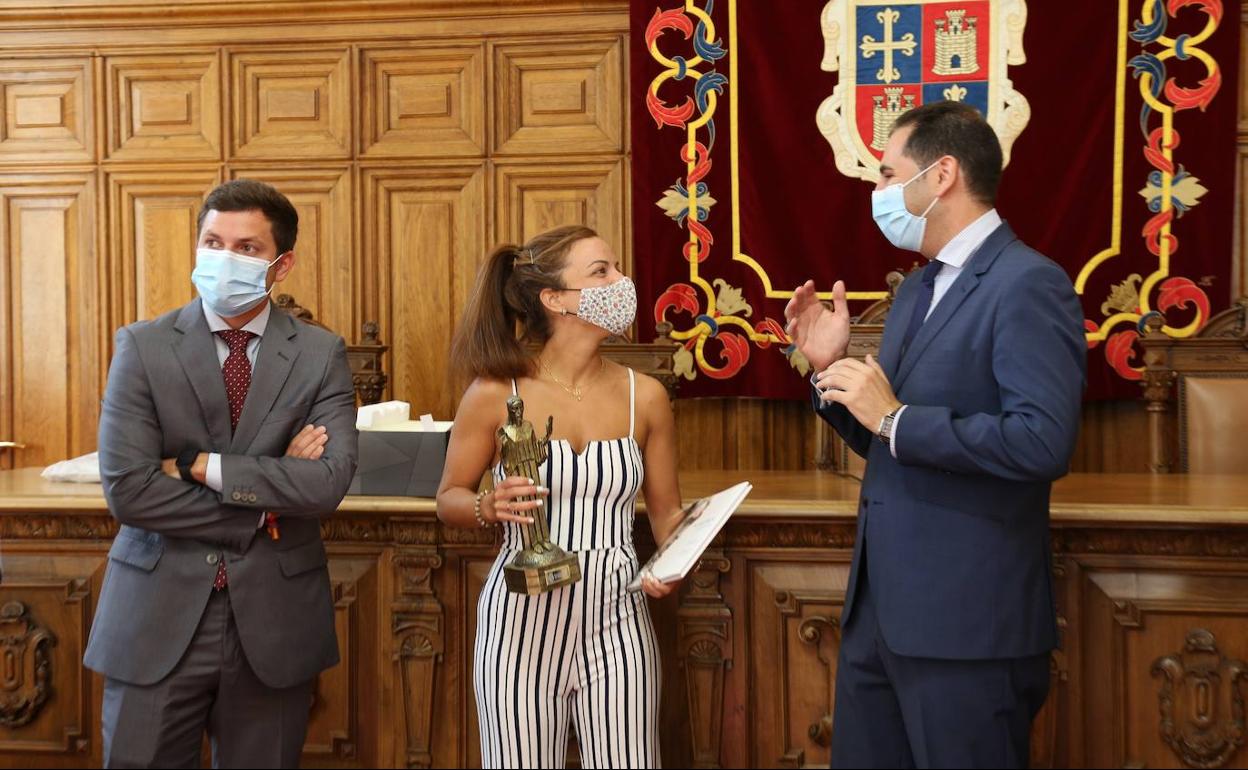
[251,498]
[237,496]
[213,558]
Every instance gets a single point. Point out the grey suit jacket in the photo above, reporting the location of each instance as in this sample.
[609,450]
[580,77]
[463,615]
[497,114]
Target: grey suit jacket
[165,394]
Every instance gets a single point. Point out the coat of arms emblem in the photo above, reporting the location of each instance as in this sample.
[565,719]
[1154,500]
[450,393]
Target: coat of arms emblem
[894,56]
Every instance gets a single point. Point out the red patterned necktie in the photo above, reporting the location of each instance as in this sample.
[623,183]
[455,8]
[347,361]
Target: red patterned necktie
[237,373]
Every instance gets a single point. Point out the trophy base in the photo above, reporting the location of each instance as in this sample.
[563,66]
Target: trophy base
[533,579]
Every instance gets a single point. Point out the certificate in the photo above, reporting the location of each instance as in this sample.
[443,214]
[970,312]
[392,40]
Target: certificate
[703,520]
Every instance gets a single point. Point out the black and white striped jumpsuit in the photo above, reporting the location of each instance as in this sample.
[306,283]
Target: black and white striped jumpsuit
[584,653]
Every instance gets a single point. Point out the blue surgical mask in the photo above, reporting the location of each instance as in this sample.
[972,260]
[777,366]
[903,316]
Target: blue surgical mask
[888,208]
[230,284]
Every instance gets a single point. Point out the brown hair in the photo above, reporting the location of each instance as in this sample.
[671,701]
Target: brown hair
[250,195]
[508,294]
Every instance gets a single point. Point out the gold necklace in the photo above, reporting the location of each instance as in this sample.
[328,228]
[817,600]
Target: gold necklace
[574,391]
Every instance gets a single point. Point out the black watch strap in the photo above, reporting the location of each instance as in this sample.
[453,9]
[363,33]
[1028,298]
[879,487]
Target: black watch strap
[186,458]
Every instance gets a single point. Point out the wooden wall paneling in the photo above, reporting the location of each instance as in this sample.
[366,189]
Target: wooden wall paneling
[48,110]
[152,240]
[50,311]
[325,277]
[425,227]
[1113,438]
[559,95]
[531,197]
[291,103]
[702,439]
[46,602]
[419,101]
[794,640]
[1163,646]
[738,433]
[163,107]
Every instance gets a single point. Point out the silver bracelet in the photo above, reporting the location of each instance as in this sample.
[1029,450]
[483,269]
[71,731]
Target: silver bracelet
[476,508]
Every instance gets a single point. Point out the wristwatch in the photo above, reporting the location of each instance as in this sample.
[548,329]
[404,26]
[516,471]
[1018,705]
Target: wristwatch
[186,458]
[885,431]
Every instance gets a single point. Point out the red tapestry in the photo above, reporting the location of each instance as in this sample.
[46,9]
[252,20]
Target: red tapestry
[757,125]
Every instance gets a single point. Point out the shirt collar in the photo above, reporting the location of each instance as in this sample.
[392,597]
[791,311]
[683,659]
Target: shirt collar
[256,325]
[957,251]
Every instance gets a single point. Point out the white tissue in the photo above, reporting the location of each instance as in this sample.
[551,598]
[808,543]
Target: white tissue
[84,470]
[386,413]
[396,416]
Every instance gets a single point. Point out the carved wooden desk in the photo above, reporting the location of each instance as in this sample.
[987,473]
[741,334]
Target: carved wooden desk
[1152,588]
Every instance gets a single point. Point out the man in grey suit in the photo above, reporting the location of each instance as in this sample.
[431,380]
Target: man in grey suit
[227,431]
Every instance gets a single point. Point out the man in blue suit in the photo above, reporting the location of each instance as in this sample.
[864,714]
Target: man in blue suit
[969,415]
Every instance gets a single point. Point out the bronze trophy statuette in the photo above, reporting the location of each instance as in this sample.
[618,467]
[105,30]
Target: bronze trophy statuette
[542,566]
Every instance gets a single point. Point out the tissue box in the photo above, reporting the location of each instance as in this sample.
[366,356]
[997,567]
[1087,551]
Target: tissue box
[399,457]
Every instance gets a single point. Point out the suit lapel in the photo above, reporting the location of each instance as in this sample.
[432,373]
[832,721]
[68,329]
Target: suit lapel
[195,349]
[976,266]
[890,341]
[273,363]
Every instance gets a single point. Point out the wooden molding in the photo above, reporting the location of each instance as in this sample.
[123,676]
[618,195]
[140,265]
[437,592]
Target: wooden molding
[163,107]
[33,14]
[293,103]
[48,110]
[423,101]
[535,197]
[152,239]
[559,96]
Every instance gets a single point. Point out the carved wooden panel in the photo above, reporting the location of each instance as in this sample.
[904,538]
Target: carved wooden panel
[475,572]
[324,279]
[534,197]
[559,96]
[344,707]
[1162,653]
[794,641]
[152,237]
[163,107]
[423,102]
[48,110]
[50,356]
[705,651]
[49,709]
[418,625]
[425,229]
[291,103]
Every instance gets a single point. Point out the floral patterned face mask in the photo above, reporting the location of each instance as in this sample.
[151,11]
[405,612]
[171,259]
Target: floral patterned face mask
[612,307]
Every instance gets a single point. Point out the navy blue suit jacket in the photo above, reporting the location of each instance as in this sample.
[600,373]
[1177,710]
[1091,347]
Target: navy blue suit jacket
[956,527]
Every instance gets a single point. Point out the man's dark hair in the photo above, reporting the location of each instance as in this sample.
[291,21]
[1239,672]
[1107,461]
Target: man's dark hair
[957,129]
[250,195]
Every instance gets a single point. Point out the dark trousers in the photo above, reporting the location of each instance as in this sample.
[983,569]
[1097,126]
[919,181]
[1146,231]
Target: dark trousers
[212,688]
[896,711]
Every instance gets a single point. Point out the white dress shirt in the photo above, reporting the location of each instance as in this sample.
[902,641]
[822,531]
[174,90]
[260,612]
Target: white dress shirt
[953,257]
[257,325]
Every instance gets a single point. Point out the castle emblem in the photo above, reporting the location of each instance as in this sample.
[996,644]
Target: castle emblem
[884,113]
[893,57]
[956,39]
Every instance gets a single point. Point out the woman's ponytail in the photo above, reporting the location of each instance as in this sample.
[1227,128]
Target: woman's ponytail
[507,298]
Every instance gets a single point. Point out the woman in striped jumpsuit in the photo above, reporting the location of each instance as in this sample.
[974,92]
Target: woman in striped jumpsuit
[582,656]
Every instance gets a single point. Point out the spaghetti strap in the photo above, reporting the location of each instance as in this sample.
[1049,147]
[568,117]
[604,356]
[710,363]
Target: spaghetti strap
[515,391]
[632,402]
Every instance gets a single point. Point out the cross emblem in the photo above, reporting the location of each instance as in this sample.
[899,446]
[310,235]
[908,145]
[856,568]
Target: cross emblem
[888,73]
